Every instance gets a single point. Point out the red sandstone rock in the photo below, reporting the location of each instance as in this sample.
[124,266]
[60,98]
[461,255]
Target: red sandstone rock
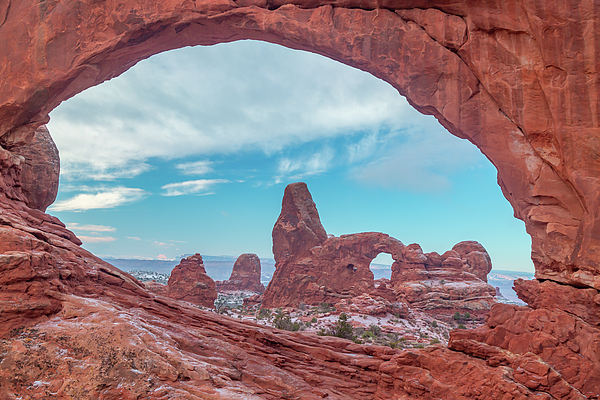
[517,78]
[189,282]
[298,228]
[477,260]
[443,285]
[244,276]
[566,348]
[339,268]
[40,170]
[157,288]
[370,305]
[455,60]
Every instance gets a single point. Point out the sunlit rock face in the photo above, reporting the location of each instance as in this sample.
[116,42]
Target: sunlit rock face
[244,276]
[518,78]
[189,282]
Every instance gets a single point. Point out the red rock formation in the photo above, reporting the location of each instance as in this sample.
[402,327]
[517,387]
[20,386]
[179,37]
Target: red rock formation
[339,268]
[518,78]
[501,74]
[189,282]
[244,276]
[370,305]
[443,285]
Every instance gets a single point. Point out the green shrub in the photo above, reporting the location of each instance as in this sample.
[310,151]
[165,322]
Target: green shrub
[434,324]
[375,329]
[263,313]
[342,328]
[284,322]
[313,320]
[461,326]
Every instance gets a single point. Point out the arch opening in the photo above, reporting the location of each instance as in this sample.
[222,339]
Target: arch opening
[403,194]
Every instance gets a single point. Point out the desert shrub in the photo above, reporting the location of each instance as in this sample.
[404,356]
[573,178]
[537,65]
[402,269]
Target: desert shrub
[313,320]
[434,341]
[341,328]
[284,322]
[434,324]
[263,313]
[461,326]
[375,329]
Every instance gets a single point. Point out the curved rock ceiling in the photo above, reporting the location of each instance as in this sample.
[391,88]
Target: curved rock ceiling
[517,78]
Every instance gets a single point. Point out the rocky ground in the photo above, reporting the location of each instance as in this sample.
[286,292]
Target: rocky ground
[413,330]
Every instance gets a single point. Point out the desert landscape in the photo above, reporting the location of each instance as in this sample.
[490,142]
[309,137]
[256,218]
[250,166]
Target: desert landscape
[517,78]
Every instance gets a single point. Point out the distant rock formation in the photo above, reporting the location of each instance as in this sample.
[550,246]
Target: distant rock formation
[40,170]
[244,276]
[190,282]
[445,283]
[312,268]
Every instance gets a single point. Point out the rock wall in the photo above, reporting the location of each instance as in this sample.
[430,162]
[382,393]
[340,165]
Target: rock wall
[517,78]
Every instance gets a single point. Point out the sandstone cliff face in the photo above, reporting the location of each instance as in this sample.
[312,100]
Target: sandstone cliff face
[189,282]
[518,78]
[244,276]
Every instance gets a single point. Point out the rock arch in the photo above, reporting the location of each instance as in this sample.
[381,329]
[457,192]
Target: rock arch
[518,78]
[494,74]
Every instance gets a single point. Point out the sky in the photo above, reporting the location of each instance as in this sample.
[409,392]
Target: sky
[190,152]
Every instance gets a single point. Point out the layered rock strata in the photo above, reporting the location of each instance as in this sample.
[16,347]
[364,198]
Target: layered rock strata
[445,284]
[244,276]
[189,282]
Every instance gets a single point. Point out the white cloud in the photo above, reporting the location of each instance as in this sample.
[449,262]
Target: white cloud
[299,168]
[74,226]
[105,198]
[133,238]
[195,168]
[191,187]
[96,239]
[238,97]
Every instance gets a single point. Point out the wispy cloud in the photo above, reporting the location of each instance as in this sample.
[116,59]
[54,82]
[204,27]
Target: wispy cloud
[133,238]
[195,168]
[96,239]
[423,162]
[105,198]
[302,167]
[74,226]
[200,186]
[259,97]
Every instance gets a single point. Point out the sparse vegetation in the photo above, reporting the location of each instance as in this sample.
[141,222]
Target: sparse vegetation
[341,328]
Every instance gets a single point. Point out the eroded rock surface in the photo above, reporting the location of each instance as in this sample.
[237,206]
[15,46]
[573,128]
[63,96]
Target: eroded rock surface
[244,276]
[518,78]
[338,268]
[189,282]
[445,284]
[40,170]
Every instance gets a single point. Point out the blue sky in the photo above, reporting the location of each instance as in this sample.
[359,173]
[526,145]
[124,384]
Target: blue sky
[190,151]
